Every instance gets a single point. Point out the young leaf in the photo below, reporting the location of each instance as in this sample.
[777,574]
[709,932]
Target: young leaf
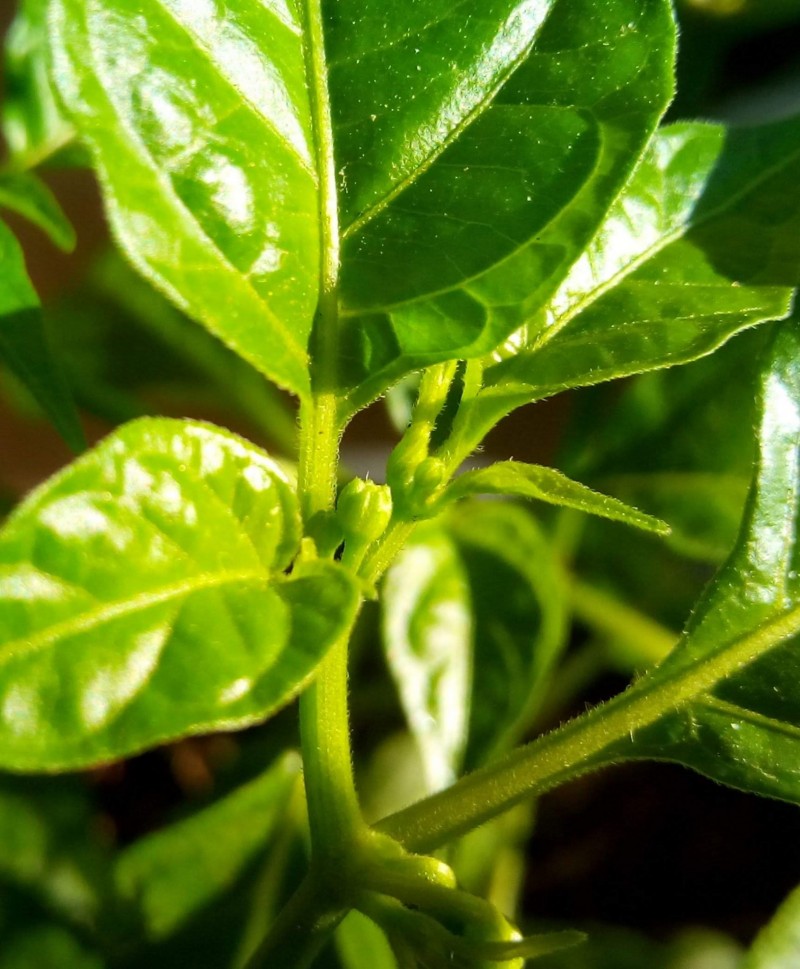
[33,124]
[746,730]
[24,346]
[45,945]
[545,484]
[778,945]
[142,598]
[436,276]
[473,621]
[174,873]
[29,196]
[699,246]
[360,943]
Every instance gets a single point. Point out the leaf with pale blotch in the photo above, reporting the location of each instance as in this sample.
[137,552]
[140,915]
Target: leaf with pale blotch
[143,598]
[473,622]
[546,484]
[24,344]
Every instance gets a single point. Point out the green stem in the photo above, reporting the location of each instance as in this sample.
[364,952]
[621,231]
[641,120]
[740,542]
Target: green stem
[299,932]
[333,810]
[577,746]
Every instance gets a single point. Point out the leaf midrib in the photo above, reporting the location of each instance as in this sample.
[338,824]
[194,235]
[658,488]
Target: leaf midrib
[109,611]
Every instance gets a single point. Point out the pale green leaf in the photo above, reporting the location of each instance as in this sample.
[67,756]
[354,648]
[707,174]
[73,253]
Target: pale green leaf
[142,598]
[536,482]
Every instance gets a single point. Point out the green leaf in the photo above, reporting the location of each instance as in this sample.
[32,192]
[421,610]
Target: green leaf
[597,81]
[29,196]
[44,945]
[206,160]
[778,945]
[48,848]
[746,730]
[33,124]
[473,622]
[142,598]
[24,345]
[699,246]
[176,872]
[545,484]
[360,943]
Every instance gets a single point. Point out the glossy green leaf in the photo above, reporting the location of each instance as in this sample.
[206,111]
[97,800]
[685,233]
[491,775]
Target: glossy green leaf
[33,124]
[473,621]
[746,731]
[176,872]
[595,83]
[29,196]
[206,160]
[24,345]
[142,598]
[699,246]
[778,945]
[546,484]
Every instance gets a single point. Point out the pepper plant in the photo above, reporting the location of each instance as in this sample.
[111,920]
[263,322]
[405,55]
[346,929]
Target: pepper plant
[467,207]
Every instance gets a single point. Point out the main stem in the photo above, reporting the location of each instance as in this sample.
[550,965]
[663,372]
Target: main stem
[333,809]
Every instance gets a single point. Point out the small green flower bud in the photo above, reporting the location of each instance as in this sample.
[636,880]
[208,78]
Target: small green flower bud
[364,509]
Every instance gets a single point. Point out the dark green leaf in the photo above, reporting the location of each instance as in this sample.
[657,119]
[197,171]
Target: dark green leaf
[45,945]
[596,81]
[176,872]
[24,345]
[142,598]
[778,945]
[746,731]
[473,621]
[33,124]
[28,195]
[545,484]
[700,245]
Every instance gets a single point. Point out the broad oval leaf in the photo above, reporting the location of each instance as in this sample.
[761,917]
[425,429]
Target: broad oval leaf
[746,730]
[700,245]
[142,598]
[546,484]
[24,345]
[176,872]
[206,159]
[474,618]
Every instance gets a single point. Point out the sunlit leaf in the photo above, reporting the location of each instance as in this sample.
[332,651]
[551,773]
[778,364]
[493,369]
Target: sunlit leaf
[142,598]
[546,484]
